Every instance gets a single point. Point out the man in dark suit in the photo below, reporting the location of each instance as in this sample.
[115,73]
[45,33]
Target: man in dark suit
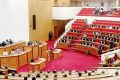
[0,44]
[29,43]
[3,43]
[10,41]
[112,44]
[50,35]
[100,48]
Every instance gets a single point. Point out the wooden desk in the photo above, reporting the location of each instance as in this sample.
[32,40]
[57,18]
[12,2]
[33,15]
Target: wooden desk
[93,50]
[9,48]
[57,53]
[22,59]
[44,47]
[38,65]
[40,50]
[16,60]
[46,55]
[2,50]
[62,45]
[35,50]
[29,56]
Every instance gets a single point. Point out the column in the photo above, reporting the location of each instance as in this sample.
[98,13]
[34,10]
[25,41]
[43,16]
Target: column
[117,3]
[83,3]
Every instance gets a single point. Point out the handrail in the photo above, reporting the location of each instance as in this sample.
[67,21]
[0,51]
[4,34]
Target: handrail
[108,67]
[67,28]
[117,68]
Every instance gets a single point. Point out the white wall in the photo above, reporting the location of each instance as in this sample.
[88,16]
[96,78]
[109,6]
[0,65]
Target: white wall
[64,13]
[111,4]
[92,4]
[14,20]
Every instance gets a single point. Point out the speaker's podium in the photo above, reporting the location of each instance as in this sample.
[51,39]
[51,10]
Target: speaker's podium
[38,64]
[57,53]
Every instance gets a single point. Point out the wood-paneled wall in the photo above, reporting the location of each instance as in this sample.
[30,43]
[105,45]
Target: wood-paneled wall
[44,22]
[43,11]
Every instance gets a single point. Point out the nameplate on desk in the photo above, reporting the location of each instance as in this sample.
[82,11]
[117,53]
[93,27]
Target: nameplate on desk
[5,53]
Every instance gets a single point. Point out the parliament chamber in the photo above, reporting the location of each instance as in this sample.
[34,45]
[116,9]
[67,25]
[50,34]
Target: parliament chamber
[60,40]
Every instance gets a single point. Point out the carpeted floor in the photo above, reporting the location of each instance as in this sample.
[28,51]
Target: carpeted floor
[70,60]
[73,60]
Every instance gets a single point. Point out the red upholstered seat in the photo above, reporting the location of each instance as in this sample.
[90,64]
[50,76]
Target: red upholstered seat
[72,34]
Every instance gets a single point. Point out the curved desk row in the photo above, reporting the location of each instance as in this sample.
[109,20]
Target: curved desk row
[92,50]
[16,60]
[9,48]
[96,44]
[37,50]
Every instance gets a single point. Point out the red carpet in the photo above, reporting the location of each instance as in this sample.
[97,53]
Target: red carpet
[73,60]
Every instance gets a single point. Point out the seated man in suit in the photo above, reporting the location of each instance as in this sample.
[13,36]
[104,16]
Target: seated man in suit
[10,41]
[117,40]
[35,42]
[71,30]
[93,40]
[84,35]
[88,44]
[110,61]
[95,36]
[112,45]
[103,42]
[29,43]
[83,39]
[83,43]
[68,42]
[89,39]
[7,42]
[86,39]
[100,48]
[115,57]
[4,43]
[0,44]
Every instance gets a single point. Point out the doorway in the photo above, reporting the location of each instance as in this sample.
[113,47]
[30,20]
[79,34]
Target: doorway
[55,31]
